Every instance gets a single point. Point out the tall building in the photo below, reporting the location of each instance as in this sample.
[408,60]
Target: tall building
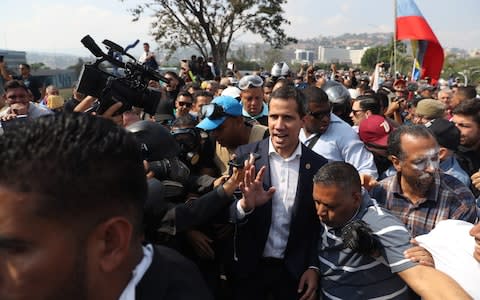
[357,54]
[13,58]
[333,55]
[304,56]
[340,55]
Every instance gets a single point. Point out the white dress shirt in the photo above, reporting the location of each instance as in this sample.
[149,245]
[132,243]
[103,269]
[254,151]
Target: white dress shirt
[284,177]
[137,274]
[341,143]
[143,57]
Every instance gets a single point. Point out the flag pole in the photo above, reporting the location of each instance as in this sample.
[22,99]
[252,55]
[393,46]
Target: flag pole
[395,37]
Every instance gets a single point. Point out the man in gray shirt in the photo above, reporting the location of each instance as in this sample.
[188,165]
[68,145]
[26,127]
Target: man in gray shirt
[17,97]
[350,271]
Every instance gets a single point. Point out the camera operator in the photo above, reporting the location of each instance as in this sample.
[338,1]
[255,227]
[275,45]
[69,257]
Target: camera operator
[196,149]
[341,204]
[172,217]
[170,175]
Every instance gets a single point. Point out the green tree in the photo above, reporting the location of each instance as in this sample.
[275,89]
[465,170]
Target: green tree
[374,55]
[210,25]
[465,68]
[385,53]
[39,66]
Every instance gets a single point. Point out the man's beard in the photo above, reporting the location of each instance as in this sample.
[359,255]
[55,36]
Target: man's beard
[74,286]
[421,183]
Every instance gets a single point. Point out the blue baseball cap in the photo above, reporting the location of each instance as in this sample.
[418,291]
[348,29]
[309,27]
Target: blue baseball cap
[229,106]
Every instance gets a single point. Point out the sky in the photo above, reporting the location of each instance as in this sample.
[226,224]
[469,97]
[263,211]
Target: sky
[57,26]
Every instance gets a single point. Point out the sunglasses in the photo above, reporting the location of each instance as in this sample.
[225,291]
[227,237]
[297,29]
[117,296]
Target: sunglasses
[186,104]
[319,114]
[250,81]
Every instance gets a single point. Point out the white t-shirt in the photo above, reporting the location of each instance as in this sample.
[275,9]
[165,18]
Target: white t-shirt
[143,57]
[452,248]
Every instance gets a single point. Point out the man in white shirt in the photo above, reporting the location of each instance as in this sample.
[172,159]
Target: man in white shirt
[329,136]
[148,58]
[274,236]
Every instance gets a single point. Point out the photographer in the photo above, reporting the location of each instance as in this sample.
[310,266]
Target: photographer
[196,148]
[340,204]
[17,97]
[132,90]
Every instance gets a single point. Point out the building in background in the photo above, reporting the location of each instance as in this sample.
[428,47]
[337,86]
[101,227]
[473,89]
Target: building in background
[304,56]
[13,59]
[340,55]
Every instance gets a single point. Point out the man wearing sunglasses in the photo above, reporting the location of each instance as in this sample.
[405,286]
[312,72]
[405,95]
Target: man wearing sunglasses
[331,137]
[255,110]
[183,104]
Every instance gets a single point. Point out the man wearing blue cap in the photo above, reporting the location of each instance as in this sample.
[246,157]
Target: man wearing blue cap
[224,121]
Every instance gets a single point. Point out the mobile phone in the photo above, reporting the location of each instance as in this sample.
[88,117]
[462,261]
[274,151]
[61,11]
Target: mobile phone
[1,58]
[239,162]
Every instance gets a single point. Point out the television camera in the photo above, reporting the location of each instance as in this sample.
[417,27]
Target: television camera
[132,89]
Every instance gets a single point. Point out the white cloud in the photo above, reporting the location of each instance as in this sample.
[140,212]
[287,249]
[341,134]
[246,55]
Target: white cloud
[345,7]
[61,26]
[336,20]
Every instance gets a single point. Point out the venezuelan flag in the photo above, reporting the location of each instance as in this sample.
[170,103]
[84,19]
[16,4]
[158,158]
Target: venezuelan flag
[427,51]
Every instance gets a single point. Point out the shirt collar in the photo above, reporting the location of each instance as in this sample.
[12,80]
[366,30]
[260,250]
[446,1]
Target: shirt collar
[296,153]
[431,195]
[264,112]
[137,274]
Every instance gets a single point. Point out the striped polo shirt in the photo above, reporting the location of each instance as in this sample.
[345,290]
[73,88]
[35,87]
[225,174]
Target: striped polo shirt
[349,275]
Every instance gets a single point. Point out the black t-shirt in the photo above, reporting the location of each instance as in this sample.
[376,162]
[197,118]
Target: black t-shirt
[469,160]
[33,84]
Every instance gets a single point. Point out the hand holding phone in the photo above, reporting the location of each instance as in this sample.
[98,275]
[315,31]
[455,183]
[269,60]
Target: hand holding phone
[239,162]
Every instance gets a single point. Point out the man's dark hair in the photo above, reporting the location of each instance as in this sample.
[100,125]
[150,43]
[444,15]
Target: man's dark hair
[466,92]
[339,173]
[185,94]
[316,95]
[27,66]
[369,103]
[470,108]
[15,84]
[268,84]
[80,169]
[184,122]
[180,81]
[394,147]
[201,93]
[146,44]
[289,92]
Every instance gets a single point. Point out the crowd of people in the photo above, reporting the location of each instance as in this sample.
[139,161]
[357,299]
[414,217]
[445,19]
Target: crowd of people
[316,184]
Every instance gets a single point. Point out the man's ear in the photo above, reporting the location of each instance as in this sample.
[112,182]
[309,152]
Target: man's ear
[395,162]
[442,153]
[357,198]
[111,242]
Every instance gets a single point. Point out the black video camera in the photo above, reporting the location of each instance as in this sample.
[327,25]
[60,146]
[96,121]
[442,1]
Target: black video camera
[131,89]
[358,236]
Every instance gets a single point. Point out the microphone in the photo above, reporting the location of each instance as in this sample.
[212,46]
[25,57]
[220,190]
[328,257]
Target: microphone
[113,46]
[90,44]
